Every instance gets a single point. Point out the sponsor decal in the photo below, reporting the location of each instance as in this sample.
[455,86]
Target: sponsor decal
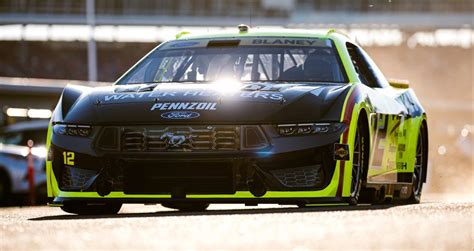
[391,164]
[173,106]
[180,115]
[404,190]
[401,147]
[183,44]
[261,95]
[402,166]
[303,42]
[403,133]
[113,97]
[341,151]
[392,148]
[249,92]
[282,41]
[260,87]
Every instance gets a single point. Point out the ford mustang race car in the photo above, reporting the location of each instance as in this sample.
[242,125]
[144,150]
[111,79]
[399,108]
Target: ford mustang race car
[286,117]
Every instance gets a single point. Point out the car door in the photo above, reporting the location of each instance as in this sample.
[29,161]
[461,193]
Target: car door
[387,119]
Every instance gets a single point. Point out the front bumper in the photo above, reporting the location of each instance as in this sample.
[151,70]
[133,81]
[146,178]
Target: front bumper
[301,168]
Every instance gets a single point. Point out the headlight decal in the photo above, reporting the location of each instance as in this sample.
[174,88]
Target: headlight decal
[308,128]
[72,130]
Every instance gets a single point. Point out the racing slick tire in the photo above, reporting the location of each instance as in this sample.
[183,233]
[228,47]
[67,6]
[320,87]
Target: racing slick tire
[359,162]
[82,208]
[419,168]
[186,207]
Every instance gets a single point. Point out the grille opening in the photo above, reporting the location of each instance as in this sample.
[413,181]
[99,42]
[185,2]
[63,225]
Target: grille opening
[254,138]
[109,138]
[190,177]
[182,138]
[300,177]
[302,170]
[132,140]
[74,178]
[163,138]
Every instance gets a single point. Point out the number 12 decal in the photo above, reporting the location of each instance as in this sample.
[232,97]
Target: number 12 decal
[68,158]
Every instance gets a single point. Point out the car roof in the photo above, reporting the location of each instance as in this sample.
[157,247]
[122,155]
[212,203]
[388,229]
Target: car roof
[26,126]
[267,32]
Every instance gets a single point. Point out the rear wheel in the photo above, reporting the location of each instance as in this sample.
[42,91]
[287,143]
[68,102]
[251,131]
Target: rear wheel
[82,208]
[358,164]
[187,207]
[420,163]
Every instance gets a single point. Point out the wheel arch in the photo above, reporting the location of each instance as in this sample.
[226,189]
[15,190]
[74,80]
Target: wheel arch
[363,118]
[358,112]
[424,130]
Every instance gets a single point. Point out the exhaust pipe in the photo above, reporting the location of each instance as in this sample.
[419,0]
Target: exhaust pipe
[105,187]
[107,176]
[256,186]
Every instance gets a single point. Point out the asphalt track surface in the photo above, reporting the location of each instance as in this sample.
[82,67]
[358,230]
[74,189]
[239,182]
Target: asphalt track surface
[432,225]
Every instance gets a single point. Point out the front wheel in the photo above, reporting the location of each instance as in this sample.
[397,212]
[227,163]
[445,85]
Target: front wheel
[358,164]
[82,208]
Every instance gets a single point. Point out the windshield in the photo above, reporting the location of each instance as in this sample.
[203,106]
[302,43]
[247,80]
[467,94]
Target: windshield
[250,59]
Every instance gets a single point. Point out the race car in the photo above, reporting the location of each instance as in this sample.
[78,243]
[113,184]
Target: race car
[252,116]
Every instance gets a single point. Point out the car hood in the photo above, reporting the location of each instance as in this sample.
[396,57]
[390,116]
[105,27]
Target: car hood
[197,102]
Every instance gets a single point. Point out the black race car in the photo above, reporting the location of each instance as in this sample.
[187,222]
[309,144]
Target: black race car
[287,117]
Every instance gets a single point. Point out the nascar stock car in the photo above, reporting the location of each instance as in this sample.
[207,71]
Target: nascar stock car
[251,116]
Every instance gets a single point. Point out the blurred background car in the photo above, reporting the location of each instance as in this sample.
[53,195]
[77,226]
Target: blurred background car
[14,153]
[45,45]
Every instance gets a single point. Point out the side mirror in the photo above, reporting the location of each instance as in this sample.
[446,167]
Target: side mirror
[399,83]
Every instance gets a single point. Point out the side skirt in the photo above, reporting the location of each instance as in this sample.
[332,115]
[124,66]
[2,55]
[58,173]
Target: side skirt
[393,190]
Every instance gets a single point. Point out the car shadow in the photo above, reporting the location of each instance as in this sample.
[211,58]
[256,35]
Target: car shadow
[22,201]
[211,212]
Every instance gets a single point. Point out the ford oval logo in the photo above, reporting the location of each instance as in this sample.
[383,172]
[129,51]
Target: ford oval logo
[180,115]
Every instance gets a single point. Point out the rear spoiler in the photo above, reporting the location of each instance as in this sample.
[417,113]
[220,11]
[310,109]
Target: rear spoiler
[399,83]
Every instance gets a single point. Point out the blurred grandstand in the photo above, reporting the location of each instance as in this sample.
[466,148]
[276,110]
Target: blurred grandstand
[230,12]
[33,30]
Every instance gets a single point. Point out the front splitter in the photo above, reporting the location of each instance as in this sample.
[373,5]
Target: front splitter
[253,201]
